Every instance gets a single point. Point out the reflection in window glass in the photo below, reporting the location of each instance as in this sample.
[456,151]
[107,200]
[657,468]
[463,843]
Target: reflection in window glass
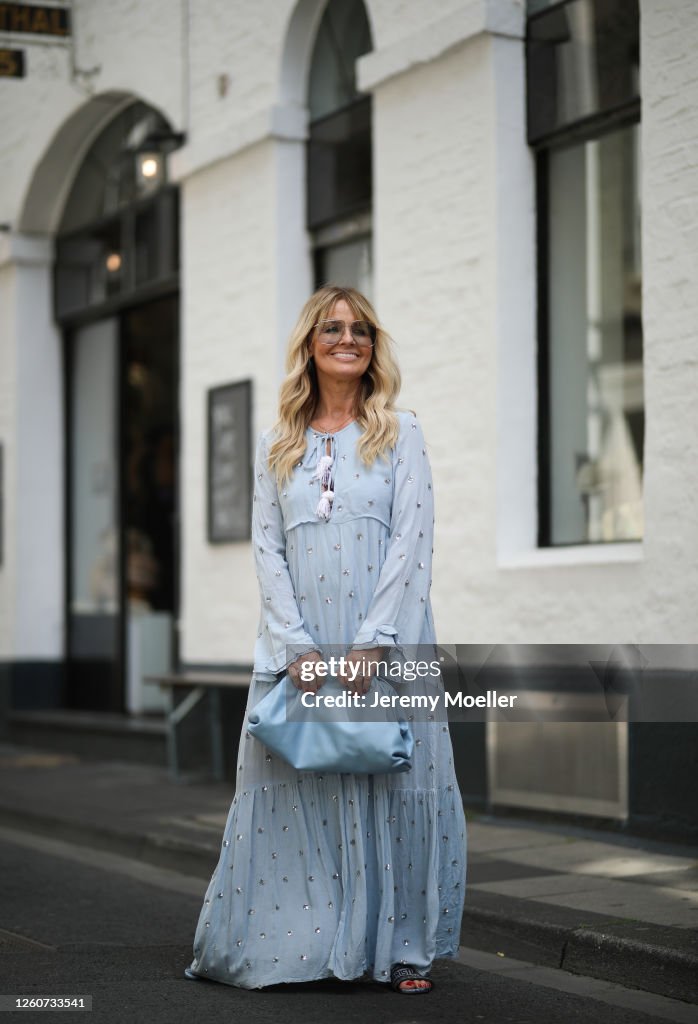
[146,249]
[596,407]
[343,36]
[339,165]
[583,60]
[94,498]
[349,264]
[535,6]
[91,267]
[119,255]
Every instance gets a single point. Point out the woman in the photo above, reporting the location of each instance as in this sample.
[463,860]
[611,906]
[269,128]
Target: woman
[338,874]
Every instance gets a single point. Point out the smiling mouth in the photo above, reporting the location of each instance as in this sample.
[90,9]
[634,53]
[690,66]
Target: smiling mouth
[345,355]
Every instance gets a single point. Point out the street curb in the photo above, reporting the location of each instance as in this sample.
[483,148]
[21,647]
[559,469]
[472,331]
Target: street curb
[596,954]
[584,951]
[186,857]
[667,972]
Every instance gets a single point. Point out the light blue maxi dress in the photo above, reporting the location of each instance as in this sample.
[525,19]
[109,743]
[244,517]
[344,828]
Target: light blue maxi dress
[337,874]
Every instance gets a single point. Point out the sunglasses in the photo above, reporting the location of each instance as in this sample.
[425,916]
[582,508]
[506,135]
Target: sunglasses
[330,332]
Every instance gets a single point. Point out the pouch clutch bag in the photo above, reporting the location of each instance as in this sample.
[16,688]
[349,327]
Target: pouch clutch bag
[334,739]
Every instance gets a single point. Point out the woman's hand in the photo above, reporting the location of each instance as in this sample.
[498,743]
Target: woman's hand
[306,663]
[365,660]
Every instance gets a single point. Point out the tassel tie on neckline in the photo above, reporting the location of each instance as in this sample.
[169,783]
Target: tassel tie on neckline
[323,473]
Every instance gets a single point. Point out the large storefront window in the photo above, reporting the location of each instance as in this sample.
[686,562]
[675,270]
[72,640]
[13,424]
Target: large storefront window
[595,412]
[583,122]
[339,150]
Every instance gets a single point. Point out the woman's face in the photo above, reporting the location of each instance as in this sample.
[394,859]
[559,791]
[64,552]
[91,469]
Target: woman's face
[343,358]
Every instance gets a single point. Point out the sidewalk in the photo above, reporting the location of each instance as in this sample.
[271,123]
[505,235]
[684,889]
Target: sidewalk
[602,905]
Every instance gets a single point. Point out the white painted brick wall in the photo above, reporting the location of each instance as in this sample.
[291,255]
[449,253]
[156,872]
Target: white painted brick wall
[441,168]
[394,20]
[39,529]
[8,412]
[32,110]
[434,260]
[669,43]
[242,41]
[228,335]
[137,48]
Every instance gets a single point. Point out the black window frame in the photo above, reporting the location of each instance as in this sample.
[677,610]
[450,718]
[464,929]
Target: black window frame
[132,292]
[360,110]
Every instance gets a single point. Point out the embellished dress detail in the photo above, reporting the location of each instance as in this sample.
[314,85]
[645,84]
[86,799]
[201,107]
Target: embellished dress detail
[324,475]
[341,875]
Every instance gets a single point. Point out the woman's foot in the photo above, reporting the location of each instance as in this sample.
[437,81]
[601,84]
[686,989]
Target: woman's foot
[406,978]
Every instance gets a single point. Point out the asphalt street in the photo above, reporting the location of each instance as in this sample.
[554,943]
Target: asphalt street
[83,922]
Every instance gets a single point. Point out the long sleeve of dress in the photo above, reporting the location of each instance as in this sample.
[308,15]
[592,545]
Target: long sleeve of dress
[398,607]
[283,636]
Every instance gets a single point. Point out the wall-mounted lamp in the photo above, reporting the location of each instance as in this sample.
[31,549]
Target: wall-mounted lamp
[151,162]
[113,262]
[150,170]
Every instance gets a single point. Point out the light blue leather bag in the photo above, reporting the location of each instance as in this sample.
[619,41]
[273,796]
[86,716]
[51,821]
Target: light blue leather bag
[322,739]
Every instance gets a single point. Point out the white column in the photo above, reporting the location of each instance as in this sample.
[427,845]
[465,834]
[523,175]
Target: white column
[32,577]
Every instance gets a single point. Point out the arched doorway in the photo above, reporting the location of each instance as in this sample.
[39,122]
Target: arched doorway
[116,288]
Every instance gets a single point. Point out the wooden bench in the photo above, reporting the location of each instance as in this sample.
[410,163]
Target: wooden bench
[200,683]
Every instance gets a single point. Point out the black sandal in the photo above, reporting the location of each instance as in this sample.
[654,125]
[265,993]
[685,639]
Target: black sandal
[400,973]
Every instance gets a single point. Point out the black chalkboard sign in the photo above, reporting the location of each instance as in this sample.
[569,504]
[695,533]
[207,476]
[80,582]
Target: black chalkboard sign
[229,482]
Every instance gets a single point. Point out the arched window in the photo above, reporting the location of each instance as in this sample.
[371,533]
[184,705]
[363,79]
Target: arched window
[118,232]
[339,150]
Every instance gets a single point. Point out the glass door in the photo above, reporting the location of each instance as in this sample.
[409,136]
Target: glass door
[150,384]
[122,511]
[94,549]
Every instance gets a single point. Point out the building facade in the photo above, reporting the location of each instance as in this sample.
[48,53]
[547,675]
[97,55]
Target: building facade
[514,186]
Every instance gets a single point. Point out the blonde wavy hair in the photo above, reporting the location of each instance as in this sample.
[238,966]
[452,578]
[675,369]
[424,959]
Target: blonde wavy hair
[375,409]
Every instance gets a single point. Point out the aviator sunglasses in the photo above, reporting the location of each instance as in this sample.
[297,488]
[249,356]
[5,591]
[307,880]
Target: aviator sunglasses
[330,332]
